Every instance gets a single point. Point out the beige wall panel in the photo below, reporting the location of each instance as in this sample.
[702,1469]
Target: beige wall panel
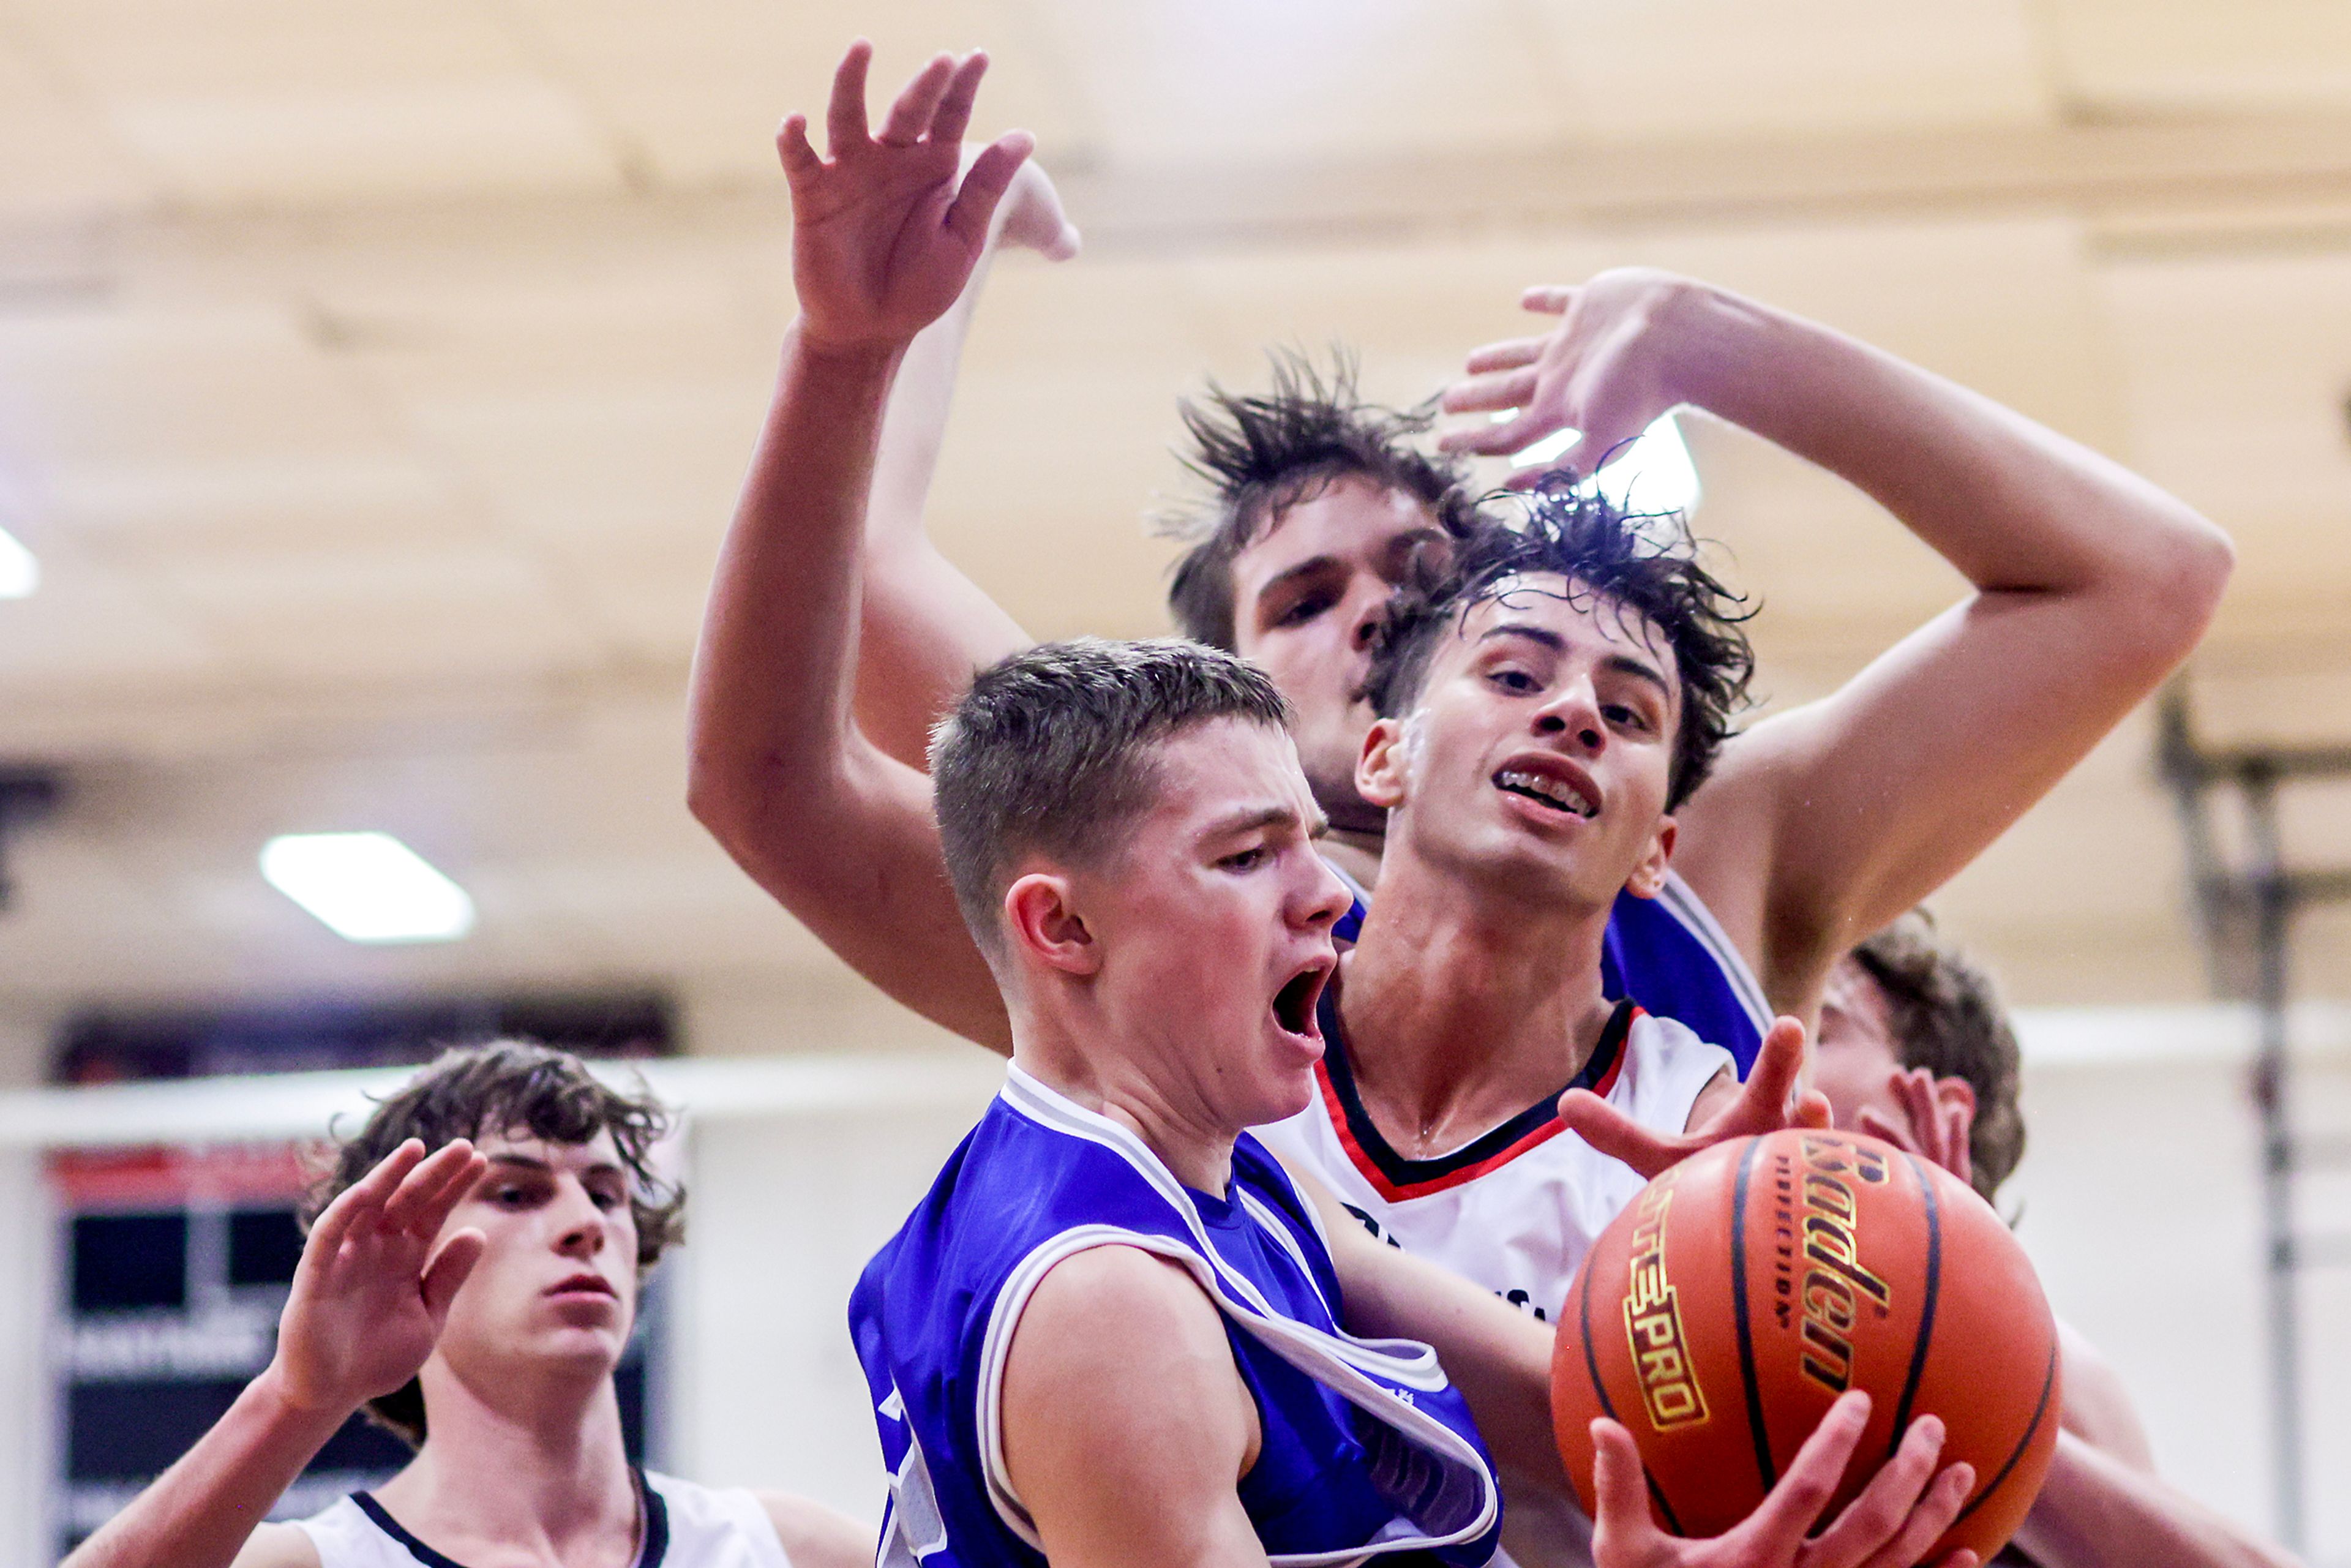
[1685,71]
[2236,369]
[1185,84]
[269,100]
[2162,56]
[697,104]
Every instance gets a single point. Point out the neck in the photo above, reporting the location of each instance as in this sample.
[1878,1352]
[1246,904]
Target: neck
[1460,1011]
[1172,1124]
[520,1462]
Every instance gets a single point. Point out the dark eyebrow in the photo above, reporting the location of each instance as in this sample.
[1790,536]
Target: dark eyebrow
[600,1168]
[1250,821]
[1623,663]
[1312,566]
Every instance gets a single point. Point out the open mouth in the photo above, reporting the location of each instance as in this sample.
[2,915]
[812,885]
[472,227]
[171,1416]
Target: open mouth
[1558,794]
[1294,1004]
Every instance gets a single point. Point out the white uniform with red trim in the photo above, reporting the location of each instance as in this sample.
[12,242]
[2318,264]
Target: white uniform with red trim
[1516,1208]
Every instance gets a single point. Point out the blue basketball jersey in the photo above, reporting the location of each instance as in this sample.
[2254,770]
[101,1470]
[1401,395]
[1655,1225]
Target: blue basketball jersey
[1667,955]
[1365,1448]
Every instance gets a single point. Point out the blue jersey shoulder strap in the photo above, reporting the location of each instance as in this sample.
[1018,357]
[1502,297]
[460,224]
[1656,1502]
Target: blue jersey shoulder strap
[1364,1449]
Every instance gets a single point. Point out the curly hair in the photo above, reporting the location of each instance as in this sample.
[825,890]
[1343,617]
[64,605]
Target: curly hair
[1261,454]
[1641,564]
[1945,1015]
[506,1086]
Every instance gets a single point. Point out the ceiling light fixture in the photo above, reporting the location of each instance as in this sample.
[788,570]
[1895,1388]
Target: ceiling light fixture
[1654,473]
[367,887]
[19,572]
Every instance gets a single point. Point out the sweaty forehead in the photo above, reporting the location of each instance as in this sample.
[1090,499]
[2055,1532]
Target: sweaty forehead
[1854,1014]
[1227,765]
[1548,602]
[1351,516]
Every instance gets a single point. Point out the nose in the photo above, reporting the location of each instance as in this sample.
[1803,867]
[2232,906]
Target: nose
[1368,608]
[582,1232]
[1574,711]
[1325,898]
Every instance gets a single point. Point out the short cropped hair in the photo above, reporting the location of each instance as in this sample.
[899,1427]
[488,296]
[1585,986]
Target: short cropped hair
[1945,1015]
[1051,751]
[1642,564]
[509,1086]
[1261,454]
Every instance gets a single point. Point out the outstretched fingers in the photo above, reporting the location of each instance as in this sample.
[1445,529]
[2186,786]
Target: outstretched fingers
[984,186]
[1507,355]
[1619,1485]
[952,115]
[364,1199]
[1612,1132]
[1492,390]
[426,1194]
[1906,1505]
[918,101]
[844,115]
[1786,1516]
[1779,1062]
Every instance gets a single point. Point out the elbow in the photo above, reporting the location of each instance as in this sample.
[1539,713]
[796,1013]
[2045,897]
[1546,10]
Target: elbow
[2176,593]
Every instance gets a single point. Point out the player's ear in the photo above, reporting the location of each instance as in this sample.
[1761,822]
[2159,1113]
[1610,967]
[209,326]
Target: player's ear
[1381,771]
[1648,878]
[1045,923]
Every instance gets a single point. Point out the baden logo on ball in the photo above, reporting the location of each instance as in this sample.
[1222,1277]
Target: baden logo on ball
[1730,1303]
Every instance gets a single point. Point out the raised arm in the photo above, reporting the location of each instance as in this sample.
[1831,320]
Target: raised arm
[885,237]
[368,1297]
[925,626]
[2090,586]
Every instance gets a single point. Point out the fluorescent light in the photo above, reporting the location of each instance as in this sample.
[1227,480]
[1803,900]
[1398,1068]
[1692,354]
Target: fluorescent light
[367,887]
[1654,474]
[19,572]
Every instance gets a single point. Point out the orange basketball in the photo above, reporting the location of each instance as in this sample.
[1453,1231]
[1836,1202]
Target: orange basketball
[1724,1311]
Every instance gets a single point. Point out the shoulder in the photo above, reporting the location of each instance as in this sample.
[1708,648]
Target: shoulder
[815,1536]
[280,1546]
[1115,1339]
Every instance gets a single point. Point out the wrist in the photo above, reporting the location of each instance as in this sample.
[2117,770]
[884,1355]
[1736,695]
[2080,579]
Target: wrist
[290,1401]
[868,355]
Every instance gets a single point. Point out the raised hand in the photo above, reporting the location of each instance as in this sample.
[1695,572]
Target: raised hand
[1766,1103]
[1935,1125]
[887,227]
[1608,370]
[1901,1513]
[373,1288]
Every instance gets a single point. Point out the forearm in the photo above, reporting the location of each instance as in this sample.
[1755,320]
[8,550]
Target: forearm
[2096,1511]
[1498,1357]
[2012,504]
[774,673]
[924,626]
[201,1511]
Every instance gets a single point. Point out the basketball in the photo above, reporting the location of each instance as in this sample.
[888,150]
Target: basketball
[1725,1309]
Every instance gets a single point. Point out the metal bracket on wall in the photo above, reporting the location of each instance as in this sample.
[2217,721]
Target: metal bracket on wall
[2245,905]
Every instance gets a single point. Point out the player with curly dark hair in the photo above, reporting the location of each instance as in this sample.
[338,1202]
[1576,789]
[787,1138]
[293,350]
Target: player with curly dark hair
[470,1277]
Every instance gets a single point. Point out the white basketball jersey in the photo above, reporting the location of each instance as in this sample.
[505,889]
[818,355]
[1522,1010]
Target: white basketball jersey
[686,1526]
[1516,1208]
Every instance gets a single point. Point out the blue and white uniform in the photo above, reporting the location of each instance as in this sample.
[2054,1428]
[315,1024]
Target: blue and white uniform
[1668,955]
[685,1526]
[1365,1450]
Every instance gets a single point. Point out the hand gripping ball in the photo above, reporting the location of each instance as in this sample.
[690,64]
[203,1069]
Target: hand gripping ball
[1724,1311]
